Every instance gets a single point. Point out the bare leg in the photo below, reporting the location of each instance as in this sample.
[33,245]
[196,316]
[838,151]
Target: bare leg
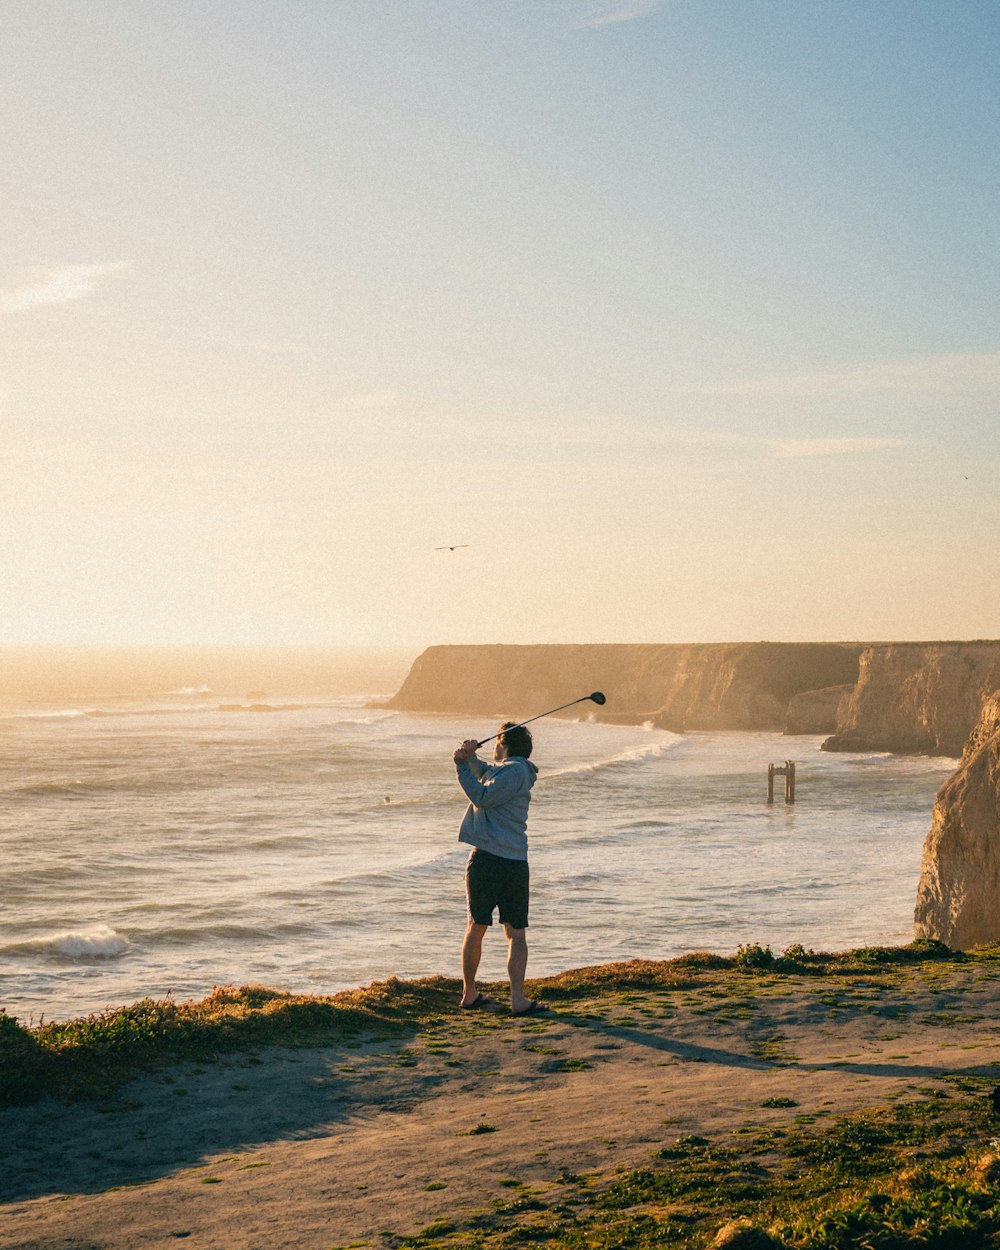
[517,963]
[472,950]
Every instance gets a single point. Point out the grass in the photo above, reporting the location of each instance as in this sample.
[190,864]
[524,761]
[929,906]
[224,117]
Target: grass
[918,1171]
[91,1056]
[921,1174]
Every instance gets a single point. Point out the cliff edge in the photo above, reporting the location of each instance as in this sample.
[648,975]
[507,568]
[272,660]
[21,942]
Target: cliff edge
[745,686]
[917,698]
[958,898]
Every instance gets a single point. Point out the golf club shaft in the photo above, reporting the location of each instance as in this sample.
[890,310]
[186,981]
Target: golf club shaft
[531,718]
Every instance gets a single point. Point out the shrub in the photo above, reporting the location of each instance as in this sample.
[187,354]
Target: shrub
[754,956]
[22,1063]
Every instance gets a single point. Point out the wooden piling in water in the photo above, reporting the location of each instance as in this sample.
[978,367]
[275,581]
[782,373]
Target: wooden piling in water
[788,772]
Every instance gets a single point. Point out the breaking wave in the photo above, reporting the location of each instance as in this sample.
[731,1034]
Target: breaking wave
[83,945]
[632,755]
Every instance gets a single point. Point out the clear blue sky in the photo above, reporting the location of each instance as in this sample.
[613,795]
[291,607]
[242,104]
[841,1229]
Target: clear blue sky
[684,315]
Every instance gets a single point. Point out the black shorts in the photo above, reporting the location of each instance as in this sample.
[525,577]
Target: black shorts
[491,881]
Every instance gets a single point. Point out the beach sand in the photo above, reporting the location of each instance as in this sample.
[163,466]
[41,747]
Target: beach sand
[368,1143]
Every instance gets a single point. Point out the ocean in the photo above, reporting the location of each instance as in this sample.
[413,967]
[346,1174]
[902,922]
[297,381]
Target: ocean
[167,843]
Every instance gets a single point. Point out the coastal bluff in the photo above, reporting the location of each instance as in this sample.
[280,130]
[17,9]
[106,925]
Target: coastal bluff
[958,897]
[917,698]
[674,686]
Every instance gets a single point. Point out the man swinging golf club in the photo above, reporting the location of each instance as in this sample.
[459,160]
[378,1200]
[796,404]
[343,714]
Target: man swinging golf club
[496,876]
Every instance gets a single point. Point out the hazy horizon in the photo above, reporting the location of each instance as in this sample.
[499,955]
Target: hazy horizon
[36,672]
[677,321]
[46,672]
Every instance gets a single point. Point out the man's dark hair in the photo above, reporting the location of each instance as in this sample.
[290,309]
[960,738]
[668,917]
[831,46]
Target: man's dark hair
[516,738]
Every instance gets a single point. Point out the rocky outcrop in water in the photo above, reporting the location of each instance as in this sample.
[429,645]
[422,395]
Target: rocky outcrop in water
[675,686]
[958,898]
[917,698]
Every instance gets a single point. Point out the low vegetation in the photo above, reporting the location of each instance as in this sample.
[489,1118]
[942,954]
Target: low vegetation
[916,1175]
[918,1172]
[88,1056]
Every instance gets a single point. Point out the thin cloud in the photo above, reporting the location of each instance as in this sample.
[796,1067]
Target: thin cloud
[958,371]
[554,434]
[613,11]
[57,286]
[788,448]
[793,448]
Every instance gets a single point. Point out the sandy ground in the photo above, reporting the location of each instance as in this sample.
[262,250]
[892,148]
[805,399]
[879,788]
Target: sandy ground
[318,1148]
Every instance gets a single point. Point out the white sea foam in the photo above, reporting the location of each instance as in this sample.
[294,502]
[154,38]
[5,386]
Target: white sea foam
[631,755]
[97,942]
[71,785]
[70,713]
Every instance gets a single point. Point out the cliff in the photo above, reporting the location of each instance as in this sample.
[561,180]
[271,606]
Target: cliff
[816,711]
[958,898]
[917,698]
[676,686]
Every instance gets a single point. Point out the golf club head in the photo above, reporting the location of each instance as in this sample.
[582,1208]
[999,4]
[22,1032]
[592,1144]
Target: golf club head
[597,698]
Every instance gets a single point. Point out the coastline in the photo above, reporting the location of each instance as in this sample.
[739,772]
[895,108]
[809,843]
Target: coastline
[651,844]
[384,1116]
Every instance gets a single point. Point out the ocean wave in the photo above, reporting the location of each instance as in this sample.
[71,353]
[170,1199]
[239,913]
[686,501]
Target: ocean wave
[397,873]
[632,755]
[274,841]
[202,703]
[897,763]
[69,713]
[194,934]
[97,943]
[40,789]
[929,763]
[643,826]
[107,713]
[375,719]
[36,874]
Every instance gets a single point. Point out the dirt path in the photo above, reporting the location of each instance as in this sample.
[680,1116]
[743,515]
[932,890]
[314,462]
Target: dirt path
[312,1149]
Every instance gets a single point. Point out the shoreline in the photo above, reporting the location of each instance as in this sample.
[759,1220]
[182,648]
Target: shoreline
[384,1116]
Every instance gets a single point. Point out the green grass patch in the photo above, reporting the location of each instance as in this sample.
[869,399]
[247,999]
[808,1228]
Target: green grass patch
[916,1175]
[90,1056]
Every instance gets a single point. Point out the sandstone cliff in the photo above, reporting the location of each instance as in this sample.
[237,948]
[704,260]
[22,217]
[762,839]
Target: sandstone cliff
[676,686]
[958,899]
[917,698]
[816,711]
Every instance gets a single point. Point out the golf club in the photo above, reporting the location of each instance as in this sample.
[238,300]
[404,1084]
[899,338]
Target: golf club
[596,697]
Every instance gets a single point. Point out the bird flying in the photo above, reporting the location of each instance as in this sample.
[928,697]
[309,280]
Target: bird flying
[455,548]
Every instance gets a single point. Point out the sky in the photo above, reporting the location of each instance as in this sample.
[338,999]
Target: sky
[684,315]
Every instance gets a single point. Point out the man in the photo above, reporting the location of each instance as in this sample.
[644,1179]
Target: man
[496,876]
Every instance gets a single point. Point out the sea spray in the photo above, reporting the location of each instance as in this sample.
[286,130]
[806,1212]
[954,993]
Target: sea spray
[96,943]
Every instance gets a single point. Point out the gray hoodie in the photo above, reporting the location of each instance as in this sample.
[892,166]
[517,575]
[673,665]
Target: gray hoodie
[499,794]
